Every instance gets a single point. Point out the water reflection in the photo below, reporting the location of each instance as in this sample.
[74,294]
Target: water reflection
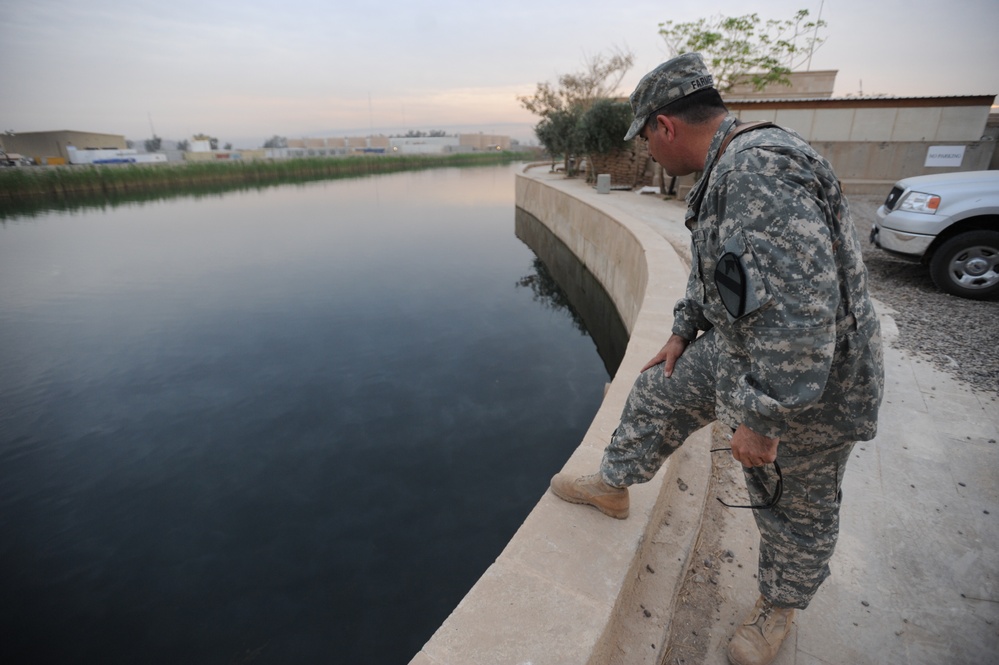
[561,282]
[290,425]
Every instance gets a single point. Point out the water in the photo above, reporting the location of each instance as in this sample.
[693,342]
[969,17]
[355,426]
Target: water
[276,426]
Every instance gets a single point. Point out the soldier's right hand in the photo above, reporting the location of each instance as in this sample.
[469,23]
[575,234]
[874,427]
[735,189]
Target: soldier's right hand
[668,355]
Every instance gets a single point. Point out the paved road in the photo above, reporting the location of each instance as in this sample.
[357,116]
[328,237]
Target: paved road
[952,333]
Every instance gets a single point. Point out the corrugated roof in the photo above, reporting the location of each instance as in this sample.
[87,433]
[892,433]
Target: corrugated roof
[853,102]
[754,100]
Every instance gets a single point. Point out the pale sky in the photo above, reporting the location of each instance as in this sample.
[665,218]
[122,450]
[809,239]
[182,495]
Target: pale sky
[244,71]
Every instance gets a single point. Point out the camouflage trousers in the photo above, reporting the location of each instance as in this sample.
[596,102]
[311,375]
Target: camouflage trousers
[798,535]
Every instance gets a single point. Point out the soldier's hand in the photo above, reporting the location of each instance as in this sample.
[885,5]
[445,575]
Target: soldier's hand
[752,449]
[674,348]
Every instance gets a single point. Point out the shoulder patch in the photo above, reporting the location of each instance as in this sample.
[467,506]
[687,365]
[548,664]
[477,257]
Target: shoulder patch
[730,280]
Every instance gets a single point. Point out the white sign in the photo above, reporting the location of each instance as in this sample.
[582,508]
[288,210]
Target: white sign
[944,155]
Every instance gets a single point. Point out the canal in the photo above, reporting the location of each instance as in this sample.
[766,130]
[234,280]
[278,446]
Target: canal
[285,425]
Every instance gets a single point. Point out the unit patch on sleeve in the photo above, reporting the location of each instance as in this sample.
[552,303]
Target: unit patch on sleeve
[730,280]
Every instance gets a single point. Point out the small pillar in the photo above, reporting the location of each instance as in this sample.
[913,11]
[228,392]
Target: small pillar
[603,183]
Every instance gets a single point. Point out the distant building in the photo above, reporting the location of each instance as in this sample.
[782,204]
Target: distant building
[397,145]
[227,155]
[51,147]
[424,145]
[485,141]
[99,156]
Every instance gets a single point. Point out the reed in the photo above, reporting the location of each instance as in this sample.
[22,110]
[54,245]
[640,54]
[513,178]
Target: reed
[24,191]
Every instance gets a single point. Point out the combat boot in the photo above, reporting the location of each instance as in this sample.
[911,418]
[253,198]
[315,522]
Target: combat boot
[592,491]
[758,639]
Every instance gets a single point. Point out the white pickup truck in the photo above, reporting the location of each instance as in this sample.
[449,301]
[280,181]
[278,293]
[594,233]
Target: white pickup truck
[950,222]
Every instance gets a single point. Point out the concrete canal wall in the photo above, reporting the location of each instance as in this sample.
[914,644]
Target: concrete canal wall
[571,587]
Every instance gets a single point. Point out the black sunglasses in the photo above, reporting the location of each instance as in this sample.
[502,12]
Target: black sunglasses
[774,498]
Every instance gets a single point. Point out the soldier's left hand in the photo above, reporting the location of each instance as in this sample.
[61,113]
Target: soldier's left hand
[752,449]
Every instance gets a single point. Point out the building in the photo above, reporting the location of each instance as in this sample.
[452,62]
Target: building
[817,84]
[51,147]
[871,141]
[98,156]
[397,145]
[874,141]
[484,141]
[424,145]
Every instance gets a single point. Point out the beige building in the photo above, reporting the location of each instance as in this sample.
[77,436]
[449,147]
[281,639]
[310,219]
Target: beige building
[873,141]
[322,147]
[802,85]
[484,141]
[50,147]
[870,141]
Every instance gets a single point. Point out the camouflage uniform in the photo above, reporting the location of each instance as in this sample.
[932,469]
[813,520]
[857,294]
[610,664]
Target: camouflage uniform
[798,356]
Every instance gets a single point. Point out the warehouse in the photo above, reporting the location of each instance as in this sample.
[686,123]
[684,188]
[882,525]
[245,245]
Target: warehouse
[50,147]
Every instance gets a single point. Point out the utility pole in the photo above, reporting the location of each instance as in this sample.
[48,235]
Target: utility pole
[811,47]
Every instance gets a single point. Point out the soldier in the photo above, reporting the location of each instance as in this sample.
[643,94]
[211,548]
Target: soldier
[776,338]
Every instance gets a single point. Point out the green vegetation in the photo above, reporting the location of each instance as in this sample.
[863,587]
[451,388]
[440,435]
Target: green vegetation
[602,128]
[24,191]
[580,116]
[745,49]
[567,122]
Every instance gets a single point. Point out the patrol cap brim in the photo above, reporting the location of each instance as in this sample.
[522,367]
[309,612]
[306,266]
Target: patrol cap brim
[636,127]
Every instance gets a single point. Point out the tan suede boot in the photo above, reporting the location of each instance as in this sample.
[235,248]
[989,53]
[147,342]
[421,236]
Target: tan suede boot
[592,491]
[758,639]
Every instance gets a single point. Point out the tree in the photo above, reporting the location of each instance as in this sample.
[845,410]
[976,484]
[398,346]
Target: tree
[153,144]
[184,145]
[227,146]
[601,129]
[276,142]
[745,48]
[600,77]
[600,132]
[558,134]
[562,107]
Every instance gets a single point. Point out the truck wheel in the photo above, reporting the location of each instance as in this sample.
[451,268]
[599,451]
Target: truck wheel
[967,265]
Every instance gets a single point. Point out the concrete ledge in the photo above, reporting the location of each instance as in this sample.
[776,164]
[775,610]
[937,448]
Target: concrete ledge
[562,591]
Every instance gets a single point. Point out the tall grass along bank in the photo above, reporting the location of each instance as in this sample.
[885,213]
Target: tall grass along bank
[27,190]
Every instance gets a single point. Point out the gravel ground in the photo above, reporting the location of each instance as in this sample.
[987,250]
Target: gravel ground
[955,334]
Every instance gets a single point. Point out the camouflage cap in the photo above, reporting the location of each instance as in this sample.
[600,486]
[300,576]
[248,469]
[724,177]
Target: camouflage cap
[665,84]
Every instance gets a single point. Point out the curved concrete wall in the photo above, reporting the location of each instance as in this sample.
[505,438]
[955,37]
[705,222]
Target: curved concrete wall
[563,590]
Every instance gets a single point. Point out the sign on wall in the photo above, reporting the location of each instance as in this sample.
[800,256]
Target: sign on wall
[944,155]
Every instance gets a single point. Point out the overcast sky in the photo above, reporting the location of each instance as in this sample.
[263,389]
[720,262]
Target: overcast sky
[244,71]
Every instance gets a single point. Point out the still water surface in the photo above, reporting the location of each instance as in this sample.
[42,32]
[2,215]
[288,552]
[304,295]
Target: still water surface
[292,425]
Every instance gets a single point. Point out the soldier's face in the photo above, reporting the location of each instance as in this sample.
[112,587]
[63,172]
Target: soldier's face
[667,145]
[661,138]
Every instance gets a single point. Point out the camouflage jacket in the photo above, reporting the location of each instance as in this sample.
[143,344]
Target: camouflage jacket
[777,272]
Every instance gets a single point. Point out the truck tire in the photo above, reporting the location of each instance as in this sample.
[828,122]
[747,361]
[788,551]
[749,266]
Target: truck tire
[967,265]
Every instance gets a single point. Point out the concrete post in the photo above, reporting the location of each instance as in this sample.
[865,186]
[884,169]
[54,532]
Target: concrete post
[603,183]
